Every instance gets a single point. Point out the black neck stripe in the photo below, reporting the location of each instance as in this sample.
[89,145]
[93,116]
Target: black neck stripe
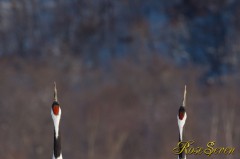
[181,155]
[57,145]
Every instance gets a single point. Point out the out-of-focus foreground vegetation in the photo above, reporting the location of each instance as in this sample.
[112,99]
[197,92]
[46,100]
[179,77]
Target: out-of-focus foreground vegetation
[120,68]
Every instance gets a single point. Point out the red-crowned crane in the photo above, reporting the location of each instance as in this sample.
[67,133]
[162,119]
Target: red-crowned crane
[56,116]
[181,118]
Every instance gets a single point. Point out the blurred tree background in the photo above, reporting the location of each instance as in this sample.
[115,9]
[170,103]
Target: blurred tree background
[120,67]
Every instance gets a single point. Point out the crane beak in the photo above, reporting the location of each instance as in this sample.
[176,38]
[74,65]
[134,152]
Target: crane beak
[184,96]
[55,92]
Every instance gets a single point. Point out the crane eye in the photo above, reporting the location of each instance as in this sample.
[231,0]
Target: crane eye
[55,109]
